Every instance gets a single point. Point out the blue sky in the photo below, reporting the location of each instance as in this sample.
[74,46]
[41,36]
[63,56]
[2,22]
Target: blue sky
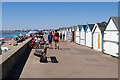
[47,15]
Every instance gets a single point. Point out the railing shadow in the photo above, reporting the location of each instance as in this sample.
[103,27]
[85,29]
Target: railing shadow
[53,59]
[17,69]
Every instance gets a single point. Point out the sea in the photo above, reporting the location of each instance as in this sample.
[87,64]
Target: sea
[8,35]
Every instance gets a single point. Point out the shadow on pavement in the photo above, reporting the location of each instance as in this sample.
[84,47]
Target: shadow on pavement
[65,49]
[17,69]
[53,59]
[43,61]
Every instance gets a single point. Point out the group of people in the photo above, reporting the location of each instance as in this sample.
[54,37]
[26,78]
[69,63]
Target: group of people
[55,37]
[62,36]
[37,40]
[18,40]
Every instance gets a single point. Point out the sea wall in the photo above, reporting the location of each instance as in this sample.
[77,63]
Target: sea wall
[11,57]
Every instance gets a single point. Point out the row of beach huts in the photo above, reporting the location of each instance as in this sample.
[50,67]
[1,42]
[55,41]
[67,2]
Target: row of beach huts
[103,37]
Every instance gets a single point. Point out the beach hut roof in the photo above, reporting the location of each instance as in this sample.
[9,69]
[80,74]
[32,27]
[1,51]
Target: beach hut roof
[79,26]
[102,26]
[91,26]
[116,22]
[83,26]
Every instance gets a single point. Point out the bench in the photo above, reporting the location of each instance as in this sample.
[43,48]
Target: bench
[41,52]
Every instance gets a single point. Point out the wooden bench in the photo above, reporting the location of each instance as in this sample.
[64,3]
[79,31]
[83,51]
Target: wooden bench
[41,52]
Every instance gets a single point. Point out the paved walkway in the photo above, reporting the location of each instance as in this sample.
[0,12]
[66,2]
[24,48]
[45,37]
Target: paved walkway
[70,61]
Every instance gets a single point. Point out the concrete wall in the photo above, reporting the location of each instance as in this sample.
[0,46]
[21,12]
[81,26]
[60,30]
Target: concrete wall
[10,58]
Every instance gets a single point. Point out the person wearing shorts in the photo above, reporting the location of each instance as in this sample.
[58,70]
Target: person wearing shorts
[50,37]
[56,39]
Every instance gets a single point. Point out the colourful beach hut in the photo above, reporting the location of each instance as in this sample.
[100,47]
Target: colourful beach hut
[112,37]
[82,35]
[89,38]
[98,35]
[77,34]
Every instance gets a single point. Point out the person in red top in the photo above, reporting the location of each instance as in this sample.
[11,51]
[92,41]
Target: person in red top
[56,39]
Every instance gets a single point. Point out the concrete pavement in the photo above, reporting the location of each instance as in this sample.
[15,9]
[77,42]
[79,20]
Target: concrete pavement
[70,61]
[74,61]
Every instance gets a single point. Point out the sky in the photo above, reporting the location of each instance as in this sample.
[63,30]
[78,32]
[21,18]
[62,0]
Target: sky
[50,15]
[59,0]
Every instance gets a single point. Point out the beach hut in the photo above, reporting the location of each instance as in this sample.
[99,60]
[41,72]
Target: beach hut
[69,34]
[112,37]
[82,35]
[74,28]
[98,35]
[89,38]
[77,34]
[67,29]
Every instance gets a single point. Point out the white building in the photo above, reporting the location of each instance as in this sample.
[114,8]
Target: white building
[98,35]
[77,34]
[89,38]
[111,37]
[82,35]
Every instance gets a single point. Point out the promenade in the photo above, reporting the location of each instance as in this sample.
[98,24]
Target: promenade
[70,61]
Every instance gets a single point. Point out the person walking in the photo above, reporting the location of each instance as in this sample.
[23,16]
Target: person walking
[60,36]
[50,37]
[64,37]
[56,39]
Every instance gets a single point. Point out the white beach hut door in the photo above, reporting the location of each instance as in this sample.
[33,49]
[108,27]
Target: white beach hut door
[95,40]
[88,39]
[111,43]
[77,37]
[106,45]
[114,46]
[82,38]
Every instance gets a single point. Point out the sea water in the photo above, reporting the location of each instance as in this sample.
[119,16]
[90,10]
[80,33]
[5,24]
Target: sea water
[9,35]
